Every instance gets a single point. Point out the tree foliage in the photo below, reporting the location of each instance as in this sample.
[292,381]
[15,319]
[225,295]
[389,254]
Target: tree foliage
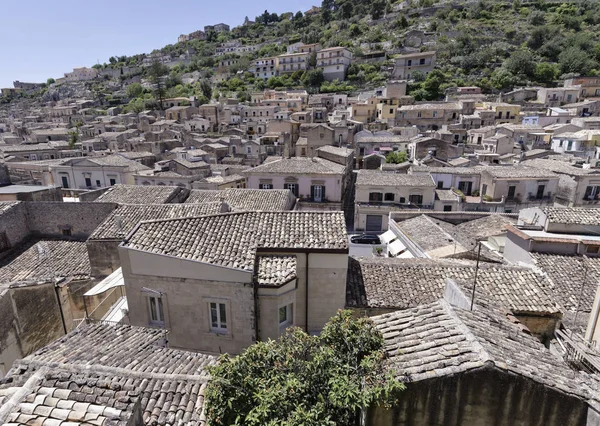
[302,379]
[396,157]
[134,90]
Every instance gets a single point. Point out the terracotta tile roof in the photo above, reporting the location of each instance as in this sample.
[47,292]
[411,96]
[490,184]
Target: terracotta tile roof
[298,165]
[26,265]
[276,270]
[138,194]
[245,199]
[566,273]
[579,216]
[377,178]
[116,161]
[132,214]
[406,283]
[438,340]
[561,167]
[231,240]
[100,372]
[519,172]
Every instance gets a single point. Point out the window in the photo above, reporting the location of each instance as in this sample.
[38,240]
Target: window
[389,196]
[409,62]
[155,310]
[218,317]
[66,232]
[113,182]
[292,187]
[88,182]
[286,315]
[402,200]
[65,181]
[98,184]
[317,193]
[415,199]
[591,192]
[419,114]
[447,208]
[303,152]
[375,197]
[249,150]
[266,186]
[484,189]
[440,185]
[422,61]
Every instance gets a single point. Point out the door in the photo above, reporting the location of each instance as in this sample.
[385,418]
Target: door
[374,222]
[540,192]
[511,192]
[65,181]
[88,182]
[317,193]
[465,187]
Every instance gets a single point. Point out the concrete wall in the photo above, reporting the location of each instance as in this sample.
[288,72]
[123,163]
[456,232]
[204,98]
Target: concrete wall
[104,256]
[482,397]
[24,326]
[333,184]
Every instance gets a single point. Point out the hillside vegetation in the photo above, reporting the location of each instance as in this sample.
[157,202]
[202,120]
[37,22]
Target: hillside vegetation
[496,45]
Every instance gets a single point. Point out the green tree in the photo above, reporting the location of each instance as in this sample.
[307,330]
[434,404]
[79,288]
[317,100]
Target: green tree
[156,75]
[546,73]
[73,138]
[134,90]
[575,60]
[397,157]
[302,379]
[50,81]
[502,79]
[206,89]
[314,78]
[521,62]
[377,9]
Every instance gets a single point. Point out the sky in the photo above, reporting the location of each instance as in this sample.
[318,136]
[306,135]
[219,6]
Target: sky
[41,39]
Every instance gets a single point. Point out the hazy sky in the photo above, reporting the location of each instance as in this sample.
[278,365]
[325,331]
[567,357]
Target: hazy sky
[42,38]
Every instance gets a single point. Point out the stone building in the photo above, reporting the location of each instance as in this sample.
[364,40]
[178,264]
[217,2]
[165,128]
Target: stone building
[246,277]
[461,365]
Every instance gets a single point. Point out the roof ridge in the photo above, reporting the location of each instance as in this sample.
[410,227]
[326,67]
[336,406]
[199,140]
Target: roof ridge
[479,349]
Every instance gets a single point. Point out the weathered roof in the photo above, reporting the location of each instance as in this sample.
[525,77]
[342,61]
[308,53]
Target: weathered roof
[579,216]
[122,220]
[245,199]
[406,283]
[437,340]
[298,165]
[26,265]
[449,170]
[558,166]
[518,172]
[430,234]
[574,279]
[138,194]
[343,152]
[484,227]
[106,369]
[446,195]
[192,164]
[116,161]
[378,178]
[276,270]
[232,239]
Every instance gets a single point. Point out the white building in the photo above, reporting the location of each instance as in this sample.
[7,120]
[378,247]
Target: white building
[334,62]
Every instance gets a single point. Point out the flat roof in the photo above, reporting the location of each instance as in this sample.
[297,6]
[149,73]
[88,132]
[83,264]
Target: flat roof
[18,189]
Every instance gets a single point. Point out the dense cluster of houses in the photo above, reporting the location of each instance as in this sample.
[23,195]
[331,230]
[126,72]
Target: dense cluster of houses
[149,243]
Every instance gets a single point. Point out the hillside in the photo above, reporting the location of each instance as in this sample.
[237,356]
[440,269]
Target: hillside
[496,45]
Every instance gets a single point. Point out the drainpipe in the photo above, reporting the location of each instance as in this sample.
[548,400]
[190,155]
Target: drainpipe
[62,316]
[256,311]
[306,295]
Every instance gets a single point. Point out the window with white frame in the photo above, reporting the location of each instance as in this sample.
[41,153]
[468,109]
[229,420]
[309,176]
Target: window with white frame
[286,315]
[218,317]
[155,310]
